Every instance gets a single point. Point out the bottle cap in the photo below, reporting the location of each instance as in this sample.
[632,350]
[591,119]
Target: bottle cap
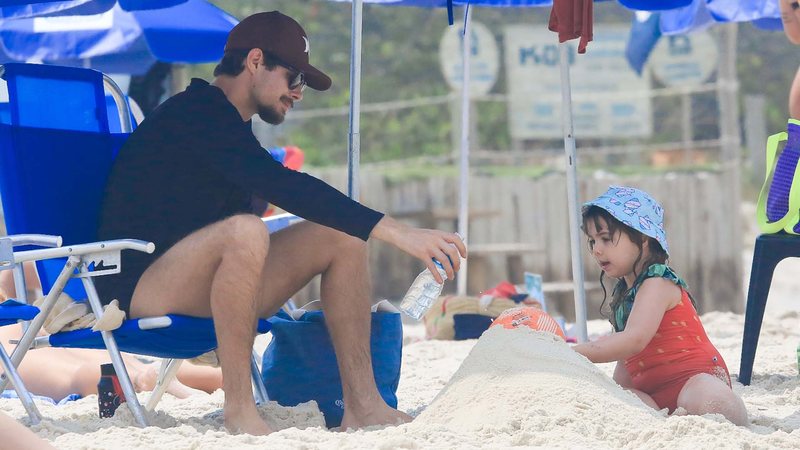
[440,264]
[107,369]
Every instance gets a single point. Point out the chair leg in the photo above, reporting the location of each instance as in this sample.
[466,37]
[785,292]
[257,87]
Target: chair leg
[764,262]
[36,324]
[113,351]
[124,379]
[167,373]
[19,387]
[260,391]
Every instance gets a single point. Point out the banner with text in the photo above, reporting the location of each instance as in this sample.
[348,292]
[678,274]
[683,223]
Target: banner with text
[609,100]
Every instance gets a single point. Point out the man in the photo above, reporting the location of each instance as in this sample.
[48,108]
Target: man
[184,180]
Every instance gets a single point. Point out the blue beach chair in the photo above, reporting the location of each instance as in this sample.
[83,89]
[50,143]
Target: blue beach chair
[55,157]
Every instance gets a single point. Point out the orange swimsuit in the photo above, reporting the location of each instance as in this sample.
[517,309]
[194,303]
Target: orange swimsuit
[679,350]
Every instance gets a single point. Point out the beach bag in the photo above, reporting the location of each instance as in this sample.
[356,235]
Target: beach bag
[440,320]
[300,365]
[470,326]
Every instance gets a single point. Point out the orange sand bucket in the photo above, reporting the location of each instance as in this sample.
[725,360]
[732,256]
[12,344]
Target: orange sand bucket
[526,316]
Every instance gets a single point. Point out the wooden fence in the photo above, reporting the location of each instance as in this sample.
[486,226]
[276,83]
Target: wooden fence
[520,224]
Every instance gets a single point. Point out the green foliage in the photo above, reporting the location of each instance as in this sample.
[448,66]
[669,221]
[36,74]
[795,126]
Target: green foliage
[767,64]
[400,61]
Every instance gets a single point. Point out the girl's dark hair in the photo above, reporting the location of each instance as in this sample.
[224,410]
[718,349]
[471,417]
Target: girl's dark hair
[232,62]
[591,217]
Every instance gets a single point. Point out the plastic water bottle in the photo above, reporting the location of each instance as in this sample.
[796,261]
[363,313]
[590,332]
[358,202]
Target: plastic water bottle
[423,292]
[109,391]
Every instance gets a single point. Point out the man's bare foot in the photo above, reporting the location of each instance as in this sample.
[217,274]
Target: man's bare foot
[382,414]
[249,422]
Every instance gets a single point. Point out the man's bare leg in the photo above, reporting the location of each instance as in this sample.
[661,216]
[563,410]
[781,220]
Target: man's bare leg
[302,251]
[346,294]
[181,279]
[215,272]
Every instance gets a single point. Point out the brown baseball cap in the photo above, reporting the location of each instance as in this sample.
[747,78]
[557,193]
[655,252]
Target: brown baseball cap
[282,37]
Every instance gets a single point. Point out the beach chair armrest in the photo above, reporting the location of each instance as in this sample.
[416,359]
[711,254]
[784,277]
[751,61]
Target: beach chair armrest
[85,250]
[39,240]
[7,244]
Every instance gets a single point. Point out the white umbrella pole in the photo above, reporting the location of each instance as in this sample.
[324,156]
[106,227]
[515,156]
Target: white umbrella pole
[572,194]
[354,140]
[463,191]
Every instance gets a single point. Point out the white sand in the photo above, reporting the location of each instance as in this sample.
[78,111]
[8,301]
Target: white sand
[514,388]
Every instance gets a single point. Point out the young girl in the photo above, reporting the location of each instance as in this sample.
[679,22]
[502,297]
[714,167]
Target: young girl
[662,351]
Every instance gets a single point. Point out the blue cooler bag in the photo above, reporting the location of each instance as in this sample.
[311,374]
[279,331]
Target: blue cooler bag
[300,365]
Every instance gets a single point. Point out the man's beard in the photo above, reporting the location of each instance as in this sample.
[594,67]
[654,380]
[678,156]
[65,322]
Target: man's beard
[270,114]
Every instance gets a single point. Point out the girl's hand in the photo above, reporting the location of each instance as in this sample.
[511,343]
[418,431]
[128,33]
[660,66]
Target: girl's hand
[622,376]
[655,297]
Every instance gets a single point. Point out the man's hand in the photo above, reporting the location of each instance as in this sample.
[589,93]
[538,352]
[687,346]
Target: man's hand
[447,248]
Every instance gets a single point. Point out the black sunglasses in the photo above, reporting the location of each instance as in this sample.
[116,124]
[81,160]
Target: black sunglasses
[296,77]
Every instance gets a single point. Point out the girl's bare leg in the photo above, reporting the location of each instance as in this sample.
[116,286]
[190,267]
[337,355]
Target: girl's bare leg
[707,394]
[645,398]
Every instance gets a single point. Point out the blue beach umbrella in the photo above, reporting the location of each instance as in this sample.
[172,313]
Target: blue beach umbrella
[672,18]
[119,41]
[681,16]
[10,9]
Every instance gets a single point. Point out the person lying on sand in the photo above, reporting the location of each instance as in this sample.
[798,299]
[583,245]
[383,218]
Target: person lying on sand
[664,355]
[60,372]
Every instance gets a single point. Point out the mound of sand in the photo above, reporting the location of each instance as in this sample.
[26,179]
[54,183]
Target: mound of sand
[527,388]
[515,375]
[510,388]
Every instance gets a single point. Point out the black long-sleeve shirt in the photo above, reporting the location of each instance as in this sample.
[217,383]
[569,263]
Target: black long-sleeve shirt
[193,162]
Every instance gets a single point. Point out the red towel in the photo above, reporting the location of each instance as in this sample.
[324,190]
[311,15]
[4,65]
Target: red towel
[572,19]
